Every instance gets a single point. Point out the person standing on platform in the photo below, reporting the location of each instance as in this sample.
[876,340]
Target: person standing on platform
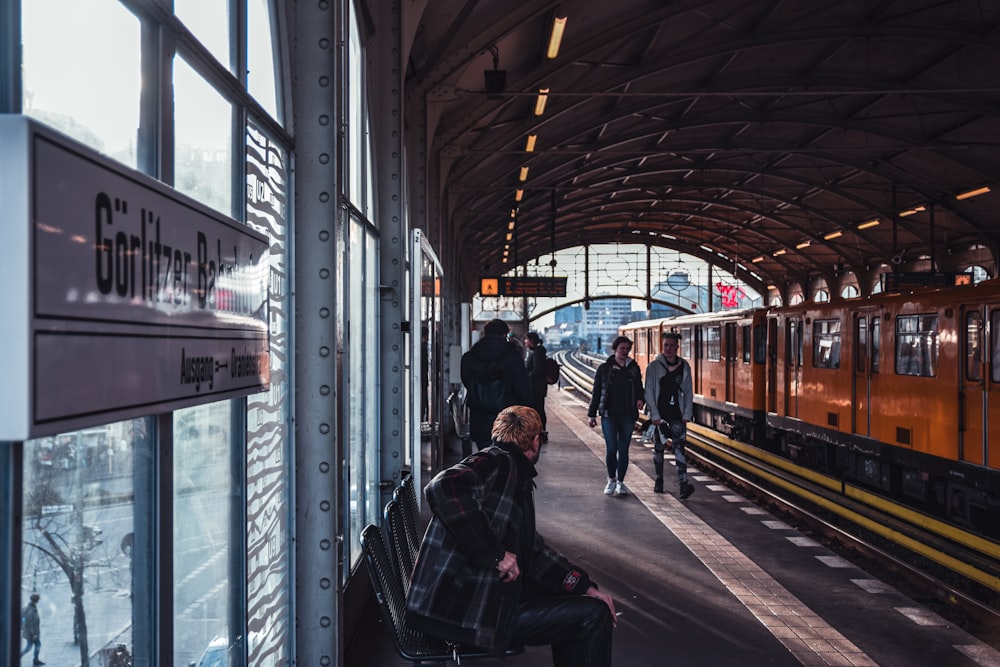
[617,398]
[671,404]
[484,577]
[537,376]
[31,628]
[495,378]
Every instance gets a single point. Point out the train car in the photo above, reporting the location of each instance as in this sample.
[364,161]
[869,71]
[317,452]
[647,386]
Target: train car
[896,392]
[727,353]
[899,392]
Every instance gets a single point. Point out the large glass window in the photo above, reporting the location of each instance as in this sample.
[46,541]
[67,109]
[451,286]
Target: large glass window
[203,128]
[204,488]
[262,56]
[209,21]
[77,539]
[355,113]
[917,345]
[84,83]
[363,374]
[363,305]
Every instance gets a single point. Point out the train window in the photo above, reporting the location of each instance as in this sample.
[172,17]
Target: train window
[745,330]
[713,343]
[973,346]
[826,344]
[995,345]
[795,343]
[917,345]
[685,348]
[760,344]
[876,344]
[860,344]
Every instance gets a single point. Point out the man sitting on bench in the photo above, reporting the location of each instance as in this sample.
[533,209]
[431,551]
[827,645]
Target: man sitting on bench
[485,578]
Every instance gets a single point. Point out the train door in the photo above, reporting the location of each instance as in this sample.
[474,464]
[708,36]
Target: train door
[793,365]
[731,359]
[980,375]
[866,367]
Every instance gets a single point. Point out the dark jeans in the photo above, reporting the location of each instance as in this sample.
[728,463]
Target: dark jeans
[617,438]
[577,626]
[676,430]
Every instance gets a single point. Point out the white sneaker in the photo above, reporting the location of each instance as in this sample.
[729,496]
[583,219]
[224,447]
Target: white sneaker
[610,488]
[621,489]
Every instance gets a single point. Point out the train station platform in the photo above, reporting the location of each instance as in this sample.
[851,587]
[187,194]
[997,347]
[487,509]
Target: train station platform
[712,580]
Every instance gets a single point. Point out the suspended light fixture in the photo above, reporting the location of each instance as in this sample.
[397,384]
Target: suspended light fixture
[529,145]
[523,176]
[912,211]
[519,194]
[556,35]
[543,96]
[804,244]
[757,260]
[972,193]
[779,253]
[833,235]
[869,224]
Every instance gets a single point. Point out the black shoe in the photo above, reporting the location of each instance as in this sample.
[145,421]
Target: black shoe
[658,486]
[38,662]
[686,490]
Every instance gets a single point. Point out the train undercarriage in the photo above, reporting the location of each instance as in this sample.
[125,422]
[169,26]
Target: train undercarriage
[959,493]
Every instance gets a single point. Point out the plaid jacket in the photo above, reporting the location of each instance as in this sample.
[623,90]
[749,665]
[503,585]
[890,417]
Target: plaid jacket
[482,507]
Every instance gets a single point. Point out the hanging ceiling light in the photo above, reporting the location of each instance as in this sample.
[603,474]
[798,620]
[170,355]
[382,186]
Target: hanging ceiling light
[556,34]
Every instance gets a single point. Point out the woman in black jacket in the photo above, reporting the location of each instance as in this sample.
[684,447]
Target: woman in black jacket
[617,398]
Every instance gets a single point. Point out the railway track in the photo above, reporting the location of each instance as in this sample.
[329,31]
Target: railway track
[955,572]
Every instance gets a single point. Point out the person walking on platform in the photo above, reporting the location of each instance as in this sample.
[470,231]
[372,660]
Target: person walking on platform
[617,398]
[495,378]
[484,577]
[31,628]
[670,402]
[535,365]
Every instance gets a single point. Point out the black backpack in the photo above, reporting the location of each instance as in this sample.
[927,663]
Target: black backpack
[488,387]
[551,370]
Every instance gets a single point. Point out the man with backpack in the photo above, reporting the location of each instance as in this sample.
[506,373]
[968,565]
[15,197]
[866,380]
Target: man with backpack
[495,378]
[536,364]
[671,404]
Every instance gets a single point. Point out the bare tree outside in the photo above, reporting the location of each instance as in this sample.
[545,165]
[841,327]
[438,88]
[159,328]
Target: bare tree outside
[70,491]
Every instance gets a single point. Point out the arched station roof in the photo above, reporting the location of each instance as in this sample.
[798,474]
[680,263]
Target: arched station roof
[764,133]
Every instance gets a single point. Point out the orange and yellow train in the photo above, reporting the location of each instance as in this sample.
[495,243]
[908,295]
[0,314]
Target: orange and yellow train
[897,392]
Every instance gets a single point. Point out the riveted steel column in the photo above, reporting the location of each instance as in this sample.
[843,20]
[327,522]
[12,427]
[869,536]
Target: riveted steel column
[386,68]
[319,549]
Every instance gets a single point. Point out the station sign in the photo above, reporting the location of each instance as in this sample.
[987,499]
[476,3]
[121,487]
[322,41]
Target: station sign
[522,286]
[125,298]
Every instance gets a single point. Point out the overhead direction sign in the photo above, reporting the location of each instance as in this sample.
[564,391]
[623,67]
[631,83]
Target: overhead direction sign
[522,286]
